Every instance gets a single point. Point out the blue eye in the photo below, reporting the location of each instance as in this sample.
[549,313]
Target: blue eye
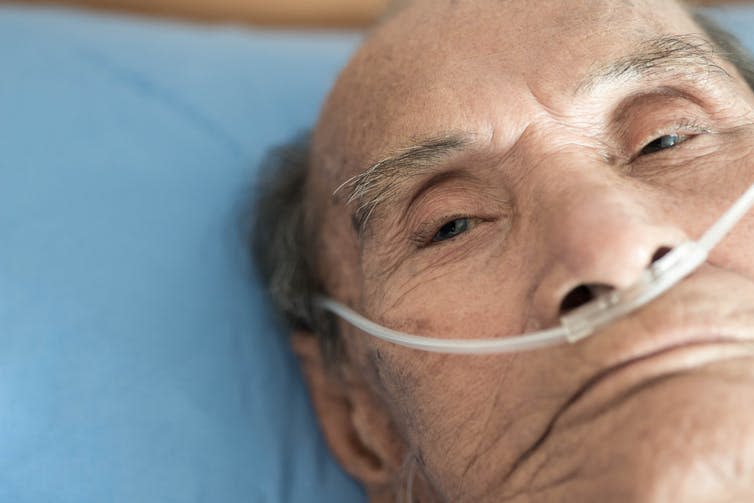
[452,229]
[663,143]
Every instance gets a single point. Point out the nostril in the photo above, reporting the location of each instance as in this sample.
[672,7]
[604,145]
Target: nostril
[661,252]
[587,292]
[581,295]
[577,297]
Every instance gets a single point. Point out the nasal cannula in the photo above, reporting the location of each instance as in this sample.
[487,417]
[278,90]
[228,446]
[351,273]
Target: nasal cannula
[580,323]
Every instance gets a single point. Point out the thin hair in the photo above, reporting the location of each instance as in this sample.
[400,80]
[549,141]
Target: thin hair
[281,238]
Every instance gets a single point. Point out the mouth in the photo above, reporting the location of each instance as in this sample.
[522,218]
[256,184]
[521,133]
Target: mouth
[624,379]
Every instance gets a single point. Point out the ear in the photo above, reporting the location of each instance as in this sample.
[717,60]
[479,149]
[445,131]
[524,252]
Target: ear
[357,426]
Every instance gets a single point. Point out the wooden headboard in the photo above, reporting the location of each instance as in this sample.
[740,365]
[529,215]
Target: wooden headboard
[332,13]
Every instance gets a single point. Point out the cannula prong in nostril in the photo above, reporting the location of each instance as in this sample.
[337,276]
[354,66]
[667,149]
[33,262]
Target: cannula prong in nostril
[582,294]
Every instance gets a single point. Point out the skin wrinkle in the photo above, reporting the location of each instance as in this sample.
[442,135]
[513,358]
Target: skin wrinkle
[472,292]
[406,288]
[568,476]
[640,100]
[451,442]
[504,480]
[389,259]
[549,460]
[685,425]
[500,430]
[456,438]
[623,396]
[377,361]
[377,185]
[406,385]
[582,390]
[650,175]
[608,406]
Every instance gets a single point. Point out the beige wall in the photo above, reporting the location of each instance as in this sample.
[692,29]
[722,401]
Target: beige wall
[276,12]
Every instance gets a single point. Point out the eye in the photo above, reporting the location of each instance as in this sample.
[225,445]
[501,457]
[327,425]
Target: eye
[663,143]
[453,229]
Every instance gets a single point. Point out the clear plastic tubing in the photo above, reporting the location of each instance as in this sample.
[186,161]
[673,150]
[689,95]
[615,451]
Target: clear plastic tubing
[655,280]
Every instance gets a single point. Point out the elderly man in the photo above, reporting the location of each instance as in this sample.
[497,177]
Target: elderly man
[481,169]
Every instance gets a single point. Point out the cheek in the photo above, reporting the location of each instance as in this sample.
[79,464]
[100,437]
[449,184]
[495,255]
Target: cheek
[738,249]
[736,252]
[697,193]
[724,184]
[465,289]
[468,408]
[469,418]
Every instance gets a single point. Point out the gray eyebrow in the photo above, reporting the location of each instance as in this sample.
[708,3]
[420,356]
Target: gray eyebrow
[385,179]
[656,58]
[653,58]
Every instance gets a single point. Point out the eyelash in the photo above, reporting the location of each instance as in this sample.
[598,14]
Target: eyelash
[686,128]
[424,237]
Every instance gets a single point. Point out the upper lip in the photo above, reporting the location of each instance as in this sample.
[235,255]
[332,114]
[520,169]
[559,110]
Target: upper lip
[658,340]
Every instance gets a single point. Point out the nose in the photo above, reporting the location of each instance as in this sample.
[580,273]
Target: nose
[598,235]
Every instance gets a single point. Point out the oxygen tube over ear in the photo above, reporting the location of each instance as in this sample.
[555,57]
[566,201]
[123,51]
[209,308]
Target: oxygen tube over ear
[582,322]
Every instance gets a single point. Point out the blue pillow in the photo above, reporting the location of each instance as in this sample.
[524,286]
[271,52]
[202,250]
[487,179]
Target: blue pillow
[139,359]
[738,19]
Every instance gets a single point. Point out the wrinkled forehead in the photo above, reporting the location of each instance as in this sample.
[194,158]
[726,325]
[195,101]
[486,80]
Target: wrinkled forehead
[460,65]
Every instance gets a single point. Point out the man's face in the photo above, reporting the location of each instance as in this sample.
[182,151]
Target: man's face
[537,151]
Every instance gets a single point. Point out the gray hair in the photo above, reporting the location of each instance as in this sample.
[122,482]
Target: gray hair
[282,235]
[282,243]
